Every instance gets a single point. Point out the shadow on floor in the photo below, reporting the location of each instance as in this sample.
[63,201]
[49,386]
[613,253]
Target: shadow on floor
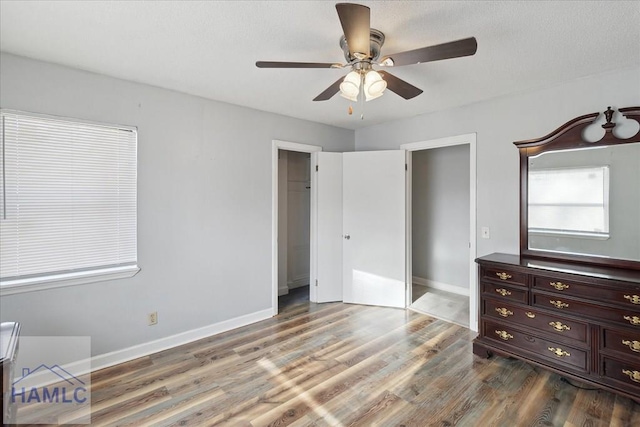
[295,297]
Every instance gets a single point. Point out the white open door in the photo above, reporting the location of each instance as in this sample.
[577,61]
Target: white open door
[327,179]
[373,206]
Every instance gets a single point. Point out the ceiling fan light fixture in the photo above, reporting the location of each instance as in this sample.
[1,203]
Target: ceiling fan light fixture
[350,86]
[350,98]
[368,97]
[374,85]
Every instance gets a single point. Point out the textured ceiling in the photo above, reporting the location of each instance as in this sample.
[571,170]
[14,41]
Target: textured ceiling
[209,48]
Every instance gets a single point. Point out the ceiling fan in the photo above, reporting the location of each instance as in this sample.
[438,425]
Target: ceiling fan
[361,45]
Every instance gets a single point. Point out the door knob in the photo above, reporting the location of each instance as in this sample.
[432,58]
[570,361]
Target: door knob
[346,236]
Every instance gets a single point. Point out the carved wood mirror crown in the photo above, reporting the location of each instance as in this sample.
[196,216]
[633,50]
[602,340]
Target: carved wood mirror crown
[580,198]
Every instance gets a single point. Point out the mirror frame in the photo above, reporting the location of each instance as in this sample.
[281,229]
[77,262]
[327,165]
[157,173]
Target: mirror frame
[569,136]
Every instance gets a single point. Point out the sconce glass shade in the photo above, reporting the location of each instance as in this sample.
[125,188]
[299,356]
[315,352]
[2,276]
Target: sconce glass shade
[374,85]
[350,86]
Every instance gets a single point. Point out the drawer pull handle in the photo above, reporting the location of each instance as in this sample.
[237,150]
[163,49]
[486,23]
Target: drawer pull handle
[634,299]
[503,292]
[559,286]
[559,304]
[633,345]
[530,315]
[503,276]
[634,320]
[557,326]
[504,312]
[504,335]
[633,375]
[559,352]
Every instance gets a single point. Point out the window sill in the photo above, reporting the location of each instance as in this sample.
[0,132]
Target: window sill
[18,286]
[570,234]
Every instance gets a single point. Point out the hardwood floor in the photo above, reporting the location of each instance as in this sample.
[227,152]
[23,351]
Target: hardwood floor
[294,297]
[344,365]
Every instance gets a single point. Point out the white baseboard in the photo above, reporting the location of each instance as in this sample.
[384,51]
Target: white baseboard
[440,286]
[283,290]
[120,356]
[106,360]
[301,281]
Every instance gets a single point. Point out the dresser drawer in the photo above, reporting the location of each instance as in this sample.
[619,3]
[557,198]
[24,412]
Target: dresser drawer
[544,350]
[502,291]
[624,297]
[626,374]
[537,319]
[504,275]
[623,341]
[568,305]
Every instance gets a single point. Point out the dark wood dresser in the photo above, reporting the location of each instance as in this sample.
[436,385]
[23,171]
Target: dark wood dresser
[9,335]
[581,321]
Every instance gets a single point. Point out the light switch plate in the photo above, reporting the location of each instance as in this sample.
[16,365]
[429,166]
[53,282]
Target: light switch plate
[485,233]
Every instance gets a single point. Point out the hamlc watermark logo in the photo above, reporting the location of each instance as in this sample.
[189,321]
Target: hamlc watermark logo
[51,383]
[69,390]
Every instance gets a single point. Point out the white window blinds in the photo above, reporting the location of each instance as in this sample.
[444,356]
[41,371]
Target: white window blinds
[68,196]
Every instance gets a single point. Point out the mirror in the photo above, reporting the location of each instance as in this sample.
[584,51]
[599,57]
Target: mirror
[585,201]
[580,200]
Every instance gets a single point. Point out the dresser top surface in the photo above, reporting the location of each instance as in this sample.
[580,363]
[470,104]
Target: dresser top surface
[632,276]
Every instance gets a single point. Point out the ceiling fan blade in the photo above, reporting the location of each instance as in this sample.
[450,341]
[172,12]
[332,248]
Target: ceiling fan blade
[330,91]
[399,86]
[356,24]
[455,49]
[276,64]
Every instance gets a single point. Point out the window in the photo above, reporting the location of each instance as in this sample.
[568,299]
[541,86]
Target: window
[572,201]
[68,202]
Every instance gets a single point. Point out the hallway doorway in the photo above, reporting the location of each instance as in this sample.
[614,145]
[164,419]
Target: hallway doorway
[441,241]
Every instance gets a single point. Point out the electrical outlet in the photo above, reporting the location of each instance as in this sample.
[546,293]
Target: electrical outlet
[485,233]
[152,318]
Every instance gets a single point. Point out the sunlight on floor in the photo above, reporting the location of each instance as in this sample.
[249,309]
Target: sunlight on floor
[443,305]
[302,394]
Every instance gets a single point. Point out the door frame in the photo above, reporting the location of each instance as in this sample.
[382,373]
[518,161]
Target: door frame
[470,139]
[302,148]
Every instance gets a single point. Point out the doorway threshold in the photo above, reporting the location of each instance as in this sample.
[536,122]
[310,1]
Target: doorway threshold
[445,306]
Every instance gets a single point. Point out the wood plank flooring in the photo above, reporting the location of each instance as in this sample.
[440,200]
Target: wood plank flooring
[343,365]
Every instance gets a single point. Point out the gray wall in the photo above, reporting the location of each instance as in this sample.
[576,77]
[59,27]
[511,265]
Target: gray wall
[499,122]
[204,206]
[440,215]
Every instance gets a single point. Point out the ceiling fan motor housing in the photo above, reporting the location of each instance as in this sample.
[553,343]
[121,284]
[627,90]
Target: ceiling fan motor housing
[377,40]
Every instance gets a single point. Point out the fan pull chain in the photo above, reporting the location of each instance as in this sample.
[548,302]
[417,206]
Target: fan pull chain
[361,96]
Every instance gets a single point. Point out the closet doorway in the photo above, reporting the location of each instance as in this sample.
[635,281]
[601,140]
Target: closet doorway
[294,221]
[292,207]
[441,228]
